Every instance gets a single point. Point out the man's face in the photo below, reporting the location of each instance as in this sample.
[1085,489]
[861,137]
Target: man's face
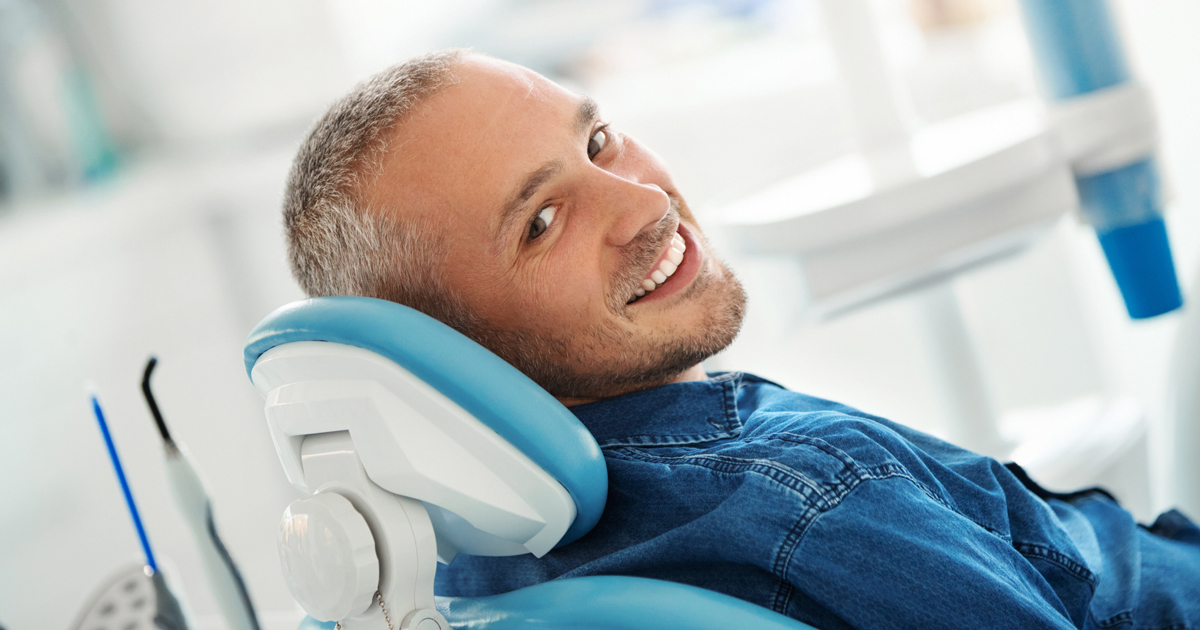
[552,224]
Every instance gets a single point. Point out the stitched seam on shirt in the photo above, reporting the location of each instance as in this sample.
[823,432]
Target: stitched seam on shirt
[847,479]
[786,476]
[733,423]
[667,440]
[1042,552]
[882,471]
[831,495]
[893,471]
[783,596]
[791,541]
[1125,618]
[787,548]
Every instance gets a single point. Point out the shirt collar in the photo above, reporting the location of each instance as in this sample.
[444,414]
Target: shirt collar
[675,414]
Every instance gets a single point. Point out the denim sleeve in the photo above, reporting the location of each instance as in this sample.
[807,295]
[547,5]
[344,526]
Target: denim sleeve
[890,555]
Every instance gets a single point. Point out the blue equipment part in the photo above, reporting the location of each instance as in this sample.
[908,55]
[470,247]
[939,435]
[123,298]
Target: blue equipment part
[490,389]
[168,613]
[604,601]
[1134,238]
[612,603]
[1076,44]
[1079,53]
[129,503]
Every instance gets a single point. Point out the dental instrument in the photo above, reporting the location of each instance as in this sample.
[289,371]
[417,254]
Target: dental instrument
[168,614]
[224,579]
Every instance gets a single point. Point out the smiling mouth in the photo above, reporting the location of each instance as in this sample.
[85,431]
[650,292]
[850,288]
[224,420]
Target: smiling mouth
[668,264]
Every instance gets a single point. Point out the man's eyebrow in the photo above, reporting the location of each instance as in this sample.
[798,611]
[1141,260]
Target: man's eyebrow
[513,209]
[588,111]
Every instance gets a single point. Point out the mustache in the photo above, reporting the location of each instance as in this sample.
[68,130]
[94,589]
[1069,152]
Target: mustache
[639,255]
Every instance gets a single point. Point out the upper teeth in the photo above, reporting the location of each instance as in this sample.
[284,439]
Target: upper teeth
[666,268]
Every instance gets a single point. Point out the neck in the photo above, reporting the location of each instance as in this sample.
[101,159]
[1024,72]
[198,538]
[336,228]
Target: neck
[694,373]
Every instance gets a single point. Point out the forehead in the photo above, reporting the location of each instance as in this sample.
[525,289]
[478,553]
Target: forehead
[469,145]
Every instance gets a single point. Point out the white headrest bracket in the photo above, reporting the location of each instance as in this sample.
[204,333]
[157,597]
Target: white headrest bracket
[483,496]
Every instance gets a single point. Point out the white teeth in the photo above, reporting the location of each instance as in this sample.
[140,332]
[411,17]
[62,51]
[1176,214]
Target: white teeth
[666,268]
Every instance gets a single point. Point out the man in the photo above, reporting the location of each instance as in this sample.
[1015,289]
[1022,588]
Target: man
[489,197]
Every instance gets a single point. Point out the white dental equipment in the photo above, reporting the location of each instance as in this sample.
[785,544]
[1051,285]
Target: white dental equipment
[911,210]
[224,579]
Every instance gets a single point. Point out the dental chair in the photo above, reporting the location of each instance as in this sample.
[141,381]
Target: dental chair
[414,444]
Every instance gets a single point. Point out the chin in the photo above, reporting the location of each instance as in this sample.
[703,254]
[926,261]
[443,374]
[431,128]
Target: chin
[611,361]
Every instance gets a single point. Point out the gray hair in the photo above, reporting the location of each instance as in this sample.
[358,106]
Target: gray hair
[337,245]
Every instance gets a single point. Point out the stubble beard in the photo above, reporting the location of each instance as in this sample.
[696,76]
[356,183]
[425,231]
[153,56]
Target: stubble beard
[608,360]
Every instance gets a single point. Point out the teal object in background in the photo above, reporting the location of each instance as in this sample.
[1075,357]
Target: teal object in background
[1079,52]
[94,148]
[1076,46]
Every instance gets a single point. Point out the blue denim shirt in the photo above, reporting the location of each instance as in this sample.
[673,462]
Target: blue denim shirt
[844,520]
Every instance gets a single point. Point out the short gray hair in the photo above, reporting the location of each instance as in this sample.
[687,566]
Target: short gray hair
[337,245]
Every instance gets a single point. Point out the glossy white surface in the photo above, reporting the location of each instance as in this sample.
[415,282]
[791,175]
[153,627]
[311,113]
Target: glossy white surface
[191,498]
[404,540]
[414,442]
[1002,184]
[328,556]
[1106,129]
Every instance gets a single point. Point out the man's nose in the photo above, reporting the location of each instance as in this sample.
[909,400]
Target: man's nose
[633,207]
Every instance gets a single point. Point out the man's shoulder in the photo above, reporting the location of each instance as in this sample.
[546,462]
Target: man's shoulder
[739,424]
[770,412]
[757,430]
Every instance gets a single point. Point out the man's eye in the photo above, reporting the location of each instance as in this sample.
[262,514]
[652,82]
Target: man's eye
[596,143]
[542,222]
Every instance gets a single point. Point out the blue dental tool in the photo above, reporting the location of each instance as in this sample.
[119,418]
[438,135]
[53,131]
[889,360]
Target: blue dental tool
[116,462]
[168,615]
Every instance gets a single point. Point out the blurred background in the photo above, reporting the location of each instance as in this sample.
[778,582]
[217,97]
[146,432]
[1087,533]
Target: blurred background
[143,149]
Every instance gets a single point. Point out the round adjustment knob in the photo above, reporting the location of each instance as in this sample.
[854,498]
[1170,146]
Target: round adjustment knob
[328,557]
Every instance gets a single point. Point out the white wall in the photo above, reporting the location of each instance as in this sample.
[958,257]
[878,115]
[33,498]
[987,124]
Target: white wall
[91,289]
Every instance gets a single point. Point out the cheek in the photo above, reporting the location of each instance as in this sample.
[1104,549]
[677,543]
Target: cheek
[568,283]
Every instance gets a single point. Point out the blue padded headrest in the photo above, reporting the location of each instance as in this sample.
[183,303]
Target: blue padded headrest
[485,385]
